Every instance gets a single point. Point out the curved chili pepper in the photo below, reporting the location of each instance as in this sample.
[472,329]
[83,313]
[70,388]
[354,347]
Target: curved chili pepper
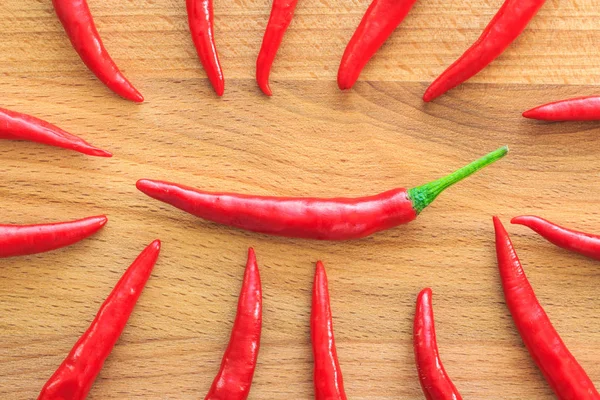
[16,126]
[380,20]
[22,240]
[577,109]
[579,242]
[559,367]
[435,381]
[505,27]
[329,384]
[75,376]
[239,361]
[78,22]
[311,218]
[200,18]
[282,13]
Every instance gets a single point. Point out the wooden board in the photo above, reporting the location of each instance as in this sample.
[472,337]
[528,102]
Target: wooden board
[309,139]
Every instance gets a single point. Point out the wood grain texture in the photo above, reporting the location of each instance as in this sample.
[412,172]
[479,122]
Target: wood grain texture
[309,139]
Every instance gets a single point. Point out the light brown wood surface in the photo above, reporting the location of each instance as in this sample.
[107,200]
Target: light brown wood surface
[309,139]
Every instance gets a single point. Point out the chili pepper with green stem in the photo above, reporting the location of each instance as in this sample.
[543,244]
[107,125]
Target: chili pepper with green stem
[562,371]
[434,380]
[22,240]
[239,361]
[577,109]
[380,20]
[200,19]
[78,22]
[311,218]
[282,13]
[579,242]
[505,27]
[75,376]
[329,384]
[16,126]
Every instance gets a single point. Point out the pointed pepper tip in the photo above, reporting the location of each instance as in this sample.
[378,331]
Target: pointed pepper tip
[530,114]
[96,152]
[155,245]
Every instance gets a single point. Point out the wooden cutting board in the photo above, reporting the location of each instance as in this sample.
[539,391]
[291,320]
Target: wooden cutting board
[309,139]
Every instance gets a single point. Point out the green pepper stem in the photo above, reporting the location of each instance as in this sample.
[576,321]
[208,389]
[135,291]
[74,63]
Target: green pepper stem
[422,196]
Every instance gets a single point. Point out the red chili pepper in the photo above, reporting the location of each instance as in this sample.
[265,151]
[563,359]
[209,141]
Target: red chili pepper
[239,361]
[329,384]
[78,22]
[505,27]
[435,381]
[22,240]
[578,109]
[282,13]
[326,219]
[200,18]
[75,376]
[16,126]
[559,367]
[579,242]
[380,20]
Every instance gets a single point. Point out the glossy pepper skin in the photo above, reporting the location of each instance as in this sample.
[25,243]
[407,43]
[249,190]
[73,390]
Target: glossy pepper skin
[16,126]
[200,18]
[75,376]
[282,13]
[239,361]
[78,22]
[577,109]
[434,380]
[505,27]
[579,242]
[22,240]
[311,218]
[565,376]
[380,20]
[329,384]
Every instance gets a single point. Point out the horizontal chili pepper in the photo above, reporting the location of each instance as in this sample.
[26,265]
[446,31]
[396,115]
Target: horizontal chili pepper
[239,361]
[200,18]
[577,109]
[505,27]
[435,381]
[77,373]
[21,240]
[579,242]
[329,384]
[559,367]
[378,23]
[16,126]
[282,13]
[311,218]
[78,22]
